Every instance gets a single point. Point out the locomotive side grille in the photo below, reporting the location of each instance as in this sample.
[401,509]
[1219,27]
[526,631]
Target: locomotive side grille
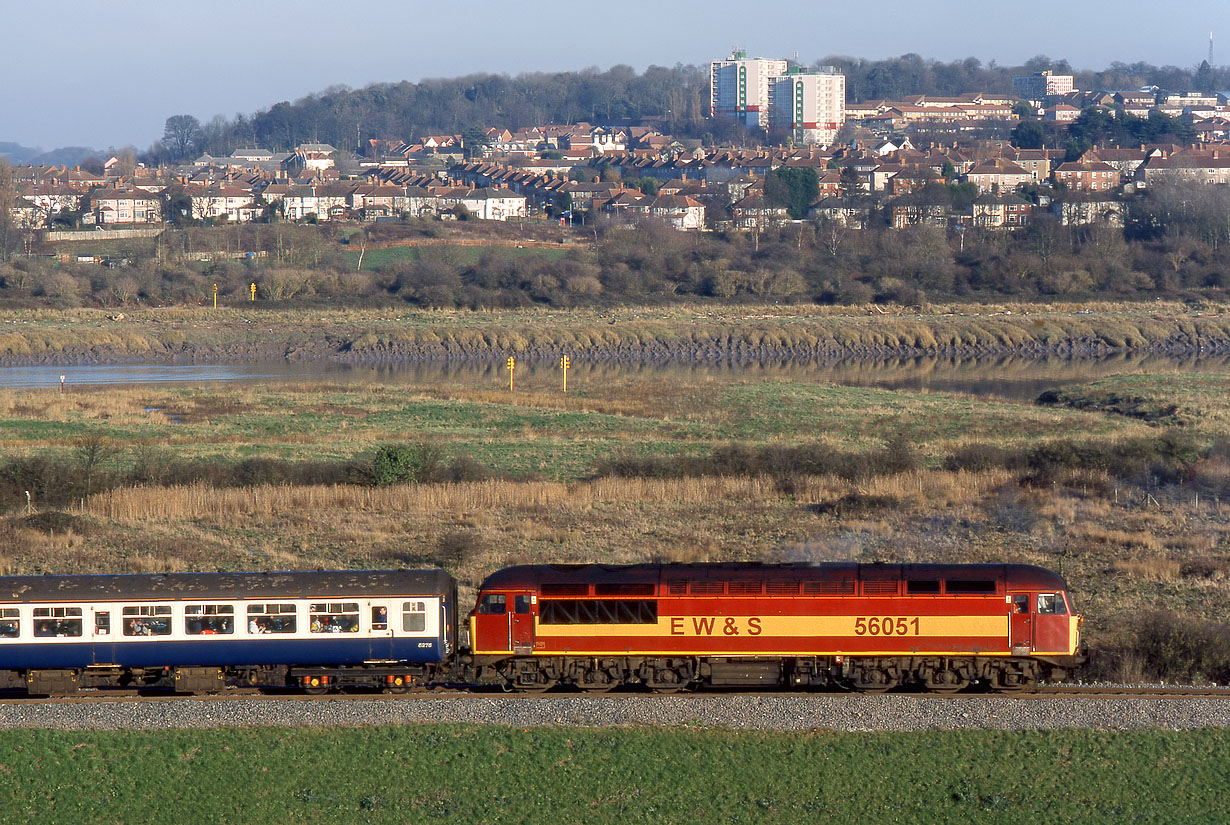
[708,588]
[746,588]
[829,587]
[880,588]
[677,587]
[598,611]
[782,588]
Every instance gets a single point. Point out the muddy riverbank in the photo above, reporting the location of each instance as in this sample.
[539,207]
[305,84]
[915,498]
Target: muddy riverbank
[660,336]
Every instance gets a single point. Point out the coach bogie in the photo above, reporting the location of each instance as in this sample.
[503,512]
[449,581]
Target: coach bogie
[52,682]
[200,680]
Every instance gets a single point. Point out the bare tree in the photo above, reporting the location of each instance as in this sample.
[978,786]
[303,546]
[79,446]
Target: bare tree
[181,135]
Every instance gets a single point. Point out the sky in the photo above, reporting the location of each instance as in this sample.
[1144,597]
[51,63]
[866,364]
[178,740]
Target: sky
[76,73]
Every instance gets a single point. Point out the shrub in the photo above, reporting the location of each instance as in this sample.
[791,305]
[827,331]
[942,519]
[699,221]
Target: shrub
[406,463]
[1175,648]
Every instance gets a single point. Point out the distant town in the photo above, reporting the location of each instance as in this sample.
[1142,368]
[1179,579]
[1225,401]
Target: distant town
[973,160]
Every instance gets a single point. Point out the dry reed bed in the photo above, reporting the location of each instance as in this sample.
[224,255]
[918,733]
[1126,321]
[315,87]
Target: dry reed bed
[935,488]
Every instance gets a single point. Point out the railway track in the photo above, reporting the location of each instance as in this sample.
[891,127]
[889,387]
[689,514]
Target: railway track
[241,694]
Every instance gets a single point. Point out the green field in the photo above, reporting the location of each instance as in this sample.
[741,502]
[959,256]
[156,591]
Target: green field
[545,775]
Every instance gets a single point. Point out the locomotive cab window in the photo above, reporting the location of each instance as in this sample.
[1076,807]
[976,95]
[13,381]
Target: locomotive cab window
[271,618]
[1051,604]
[10,622]
[414,617]
[57,621]
[147,620]
[209,620]
[923,587]
[493,604]
[521,605]
[334,617]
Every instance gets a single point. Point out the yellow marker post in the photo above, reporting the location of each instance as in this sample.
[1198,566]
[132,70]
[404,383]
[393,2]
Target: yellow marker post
[215,296]
[512,365]
[254,291]
[564,364]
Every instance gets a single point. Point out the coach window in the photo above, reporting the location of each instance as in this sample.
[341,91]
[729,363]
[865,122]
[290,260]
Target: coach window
[147,620]
[10,622]
[57,621]
[414,617]
[209,620]
[102,624]
[1051,603]
[493,604]
[271,618]
[334,617]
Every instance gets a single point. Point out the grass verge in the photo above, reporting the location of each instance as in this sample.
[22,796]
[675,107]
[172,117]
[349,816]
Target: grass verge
[545,775]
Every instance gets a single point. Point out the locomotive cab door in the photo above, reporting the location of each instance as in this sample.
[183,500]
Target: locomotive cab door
[521,623]
[1021,623]
[504,622]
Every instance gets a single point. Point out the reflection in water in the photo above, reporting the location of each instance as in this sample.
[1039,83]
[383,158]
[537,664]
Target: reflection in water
[1010,377]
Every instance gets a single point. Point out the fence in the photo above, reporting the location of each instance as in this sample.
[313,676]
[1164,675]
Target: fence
[102,234]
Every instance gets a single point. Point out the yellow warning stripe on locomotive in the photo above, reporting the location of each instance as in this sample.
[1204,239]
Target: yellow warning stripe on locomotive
[871,627]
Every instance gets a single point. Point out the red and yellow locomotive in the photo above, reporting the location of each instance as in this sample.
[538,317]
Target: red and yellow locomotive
[866,627]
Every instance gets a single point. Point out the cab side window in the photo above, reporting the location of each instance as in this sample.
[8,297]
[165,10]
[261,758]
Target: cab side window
[493,604]
[1051,604]
[521,604]
[1020,603]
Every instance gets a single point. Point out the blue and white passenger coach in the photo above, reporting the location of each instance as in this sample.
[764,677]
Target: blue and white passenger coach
[199,632]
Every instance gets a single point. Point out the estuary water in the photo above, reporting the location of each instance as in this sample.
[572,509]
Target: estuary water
[1014,378]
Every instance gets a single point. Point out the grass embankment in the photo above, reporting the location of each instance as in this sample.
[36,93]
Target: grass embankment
[632,468]
[683,332]
[492,774]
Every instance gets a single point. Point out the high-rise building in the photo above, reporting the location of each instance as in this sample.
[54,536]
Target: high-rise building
[1041,85]
[739,87]
[810,104]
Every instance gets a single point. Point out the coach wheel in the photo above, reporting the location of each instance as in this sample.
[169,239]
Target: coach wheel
[316,685]
[397,684]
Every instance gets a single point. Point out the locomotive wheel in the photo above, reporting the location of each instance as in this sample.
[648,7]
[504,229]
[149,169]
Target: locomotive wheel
[945,681]
[540,687]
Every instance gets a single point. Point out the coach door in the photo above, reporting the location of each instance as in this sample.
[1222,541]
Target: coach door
[104,644]
[1021,623]
[521,623]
